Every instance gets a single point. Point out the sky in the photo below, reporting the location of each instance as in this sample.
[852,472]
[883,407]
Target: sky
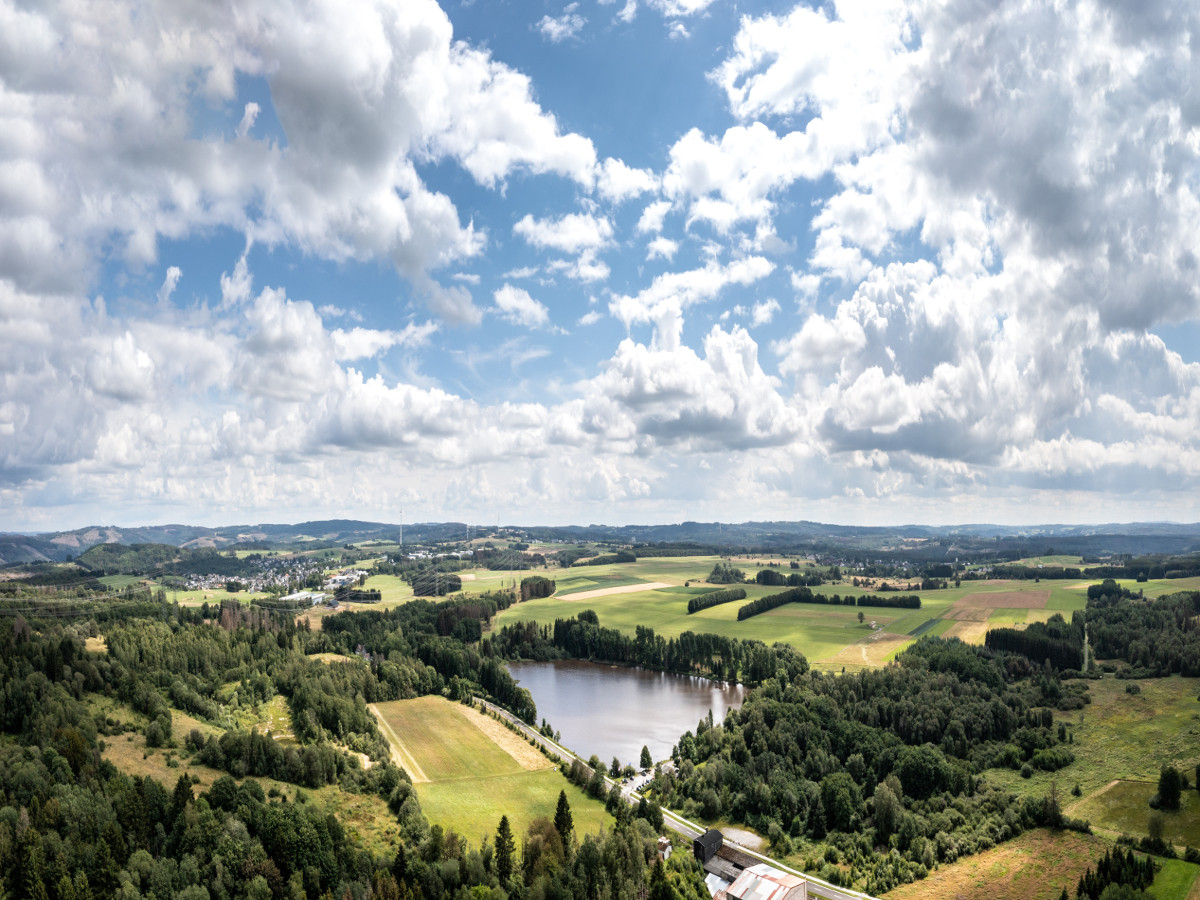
[634,261]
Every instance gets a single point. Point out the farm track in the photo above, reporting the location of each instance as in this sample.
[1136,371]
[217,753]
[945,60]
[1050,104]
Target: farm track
[604,592]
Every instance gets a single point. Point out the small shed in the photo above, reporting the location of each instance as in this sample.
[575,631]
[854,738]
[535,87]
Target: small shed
[705,846]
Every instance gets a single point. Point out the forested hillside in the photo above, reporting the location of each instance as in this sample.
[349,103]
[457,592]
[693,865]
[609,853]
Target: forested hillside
[73,826]
[885,758]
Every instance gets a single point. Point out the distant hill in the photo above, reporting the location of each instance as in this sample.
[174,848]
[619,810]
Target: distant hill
[910,541]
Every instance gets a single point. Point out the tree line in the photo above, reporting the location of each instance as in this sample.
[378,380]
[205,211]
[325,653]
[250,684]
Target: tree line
[715,598]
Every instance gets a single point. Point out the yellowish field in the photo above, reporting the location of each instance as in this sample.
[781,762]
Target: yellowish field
[96,645]
[1037,865]
[968,632]
[873,650]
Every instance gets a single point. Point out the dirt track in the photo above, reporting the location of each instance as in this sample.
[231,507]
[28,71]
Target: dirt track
[623,589]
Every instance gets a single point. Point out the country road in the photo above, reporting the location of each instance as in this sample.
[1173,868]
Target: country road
[677,823]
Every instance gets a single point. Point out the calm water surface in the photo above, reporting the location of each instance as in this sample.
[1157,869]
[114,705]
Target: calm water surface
[612,710]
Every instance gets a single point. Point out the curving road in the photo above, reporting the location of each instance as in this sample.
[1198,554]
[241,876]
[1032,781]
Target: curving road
[677,823]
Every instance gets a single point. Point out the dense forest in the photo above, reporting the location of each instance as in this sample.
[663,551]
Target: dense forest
[881,759]
[1154,638]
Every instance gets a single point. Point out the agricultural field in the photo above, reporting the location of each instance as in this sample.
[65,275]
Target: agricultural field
[830,636]
[469,770]
[1036,865]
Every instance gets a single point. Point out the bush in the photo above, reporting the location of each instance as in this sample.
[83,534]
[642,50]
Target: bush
[1026,771]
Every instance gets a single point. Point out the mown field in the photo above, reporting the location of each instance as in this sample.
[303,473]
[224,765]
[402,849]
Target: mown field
[830,636]
[467,779]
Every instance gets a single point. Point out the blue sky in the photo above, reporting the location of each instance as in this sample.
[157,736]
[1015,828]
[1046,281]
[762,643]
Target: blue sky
[635,261]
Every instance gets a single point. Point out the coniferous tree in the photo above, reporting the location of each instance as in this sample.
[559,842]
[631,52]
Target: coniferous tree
[563,823]
[504,850]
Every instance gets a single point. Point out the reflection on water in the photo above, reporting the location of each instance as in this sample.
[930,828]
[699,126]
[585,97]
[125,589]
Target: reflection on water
[613,710]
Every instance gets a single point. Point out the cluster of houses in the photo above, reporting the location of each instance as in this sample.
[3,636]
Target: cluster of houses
[272,573]
[344,579]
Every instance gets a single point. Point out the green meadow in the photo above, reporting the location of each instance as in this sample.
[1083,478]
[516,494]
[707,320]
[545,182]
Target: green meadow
[466,780]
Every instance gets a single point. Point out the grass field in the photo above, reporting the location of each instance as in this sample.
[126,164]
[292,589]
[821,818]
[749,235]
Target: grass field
[1036,865]
[1124,807]
[211,595]
[1122,736]
[120,581]
[830,636]
[394,590]
[1176,880]
[471,780]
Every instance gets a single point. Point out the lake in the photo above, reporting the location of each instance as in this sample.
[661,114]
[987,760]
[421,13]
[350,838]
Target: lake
[614,710]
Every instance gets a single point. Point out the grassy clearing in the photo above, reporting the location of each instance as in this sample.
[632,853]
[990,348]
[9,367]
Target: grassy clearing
[472,780]
[365,816]
[1125,808]
[119,582]
[209,595]
[1036,865]
[1122,736]
[335,658]
[96,645]
[272,717]
[393,588]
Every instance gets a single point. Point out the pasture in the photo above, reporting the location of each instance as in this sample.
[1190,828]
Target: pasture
[830,636]
[469,770]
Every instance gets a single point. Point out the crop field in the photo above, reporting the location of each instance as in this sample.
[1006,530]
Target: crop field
[470,770]
[1037,865]
[830,636]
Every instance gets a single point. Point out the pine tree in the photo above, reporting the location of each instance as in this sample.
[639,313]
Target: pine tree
[646,761]
[504,850]
[563,823]
[660,889]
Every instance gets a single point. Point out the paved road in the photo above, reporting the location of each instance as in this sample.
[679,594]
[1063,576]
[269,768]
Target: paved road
[677,823]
